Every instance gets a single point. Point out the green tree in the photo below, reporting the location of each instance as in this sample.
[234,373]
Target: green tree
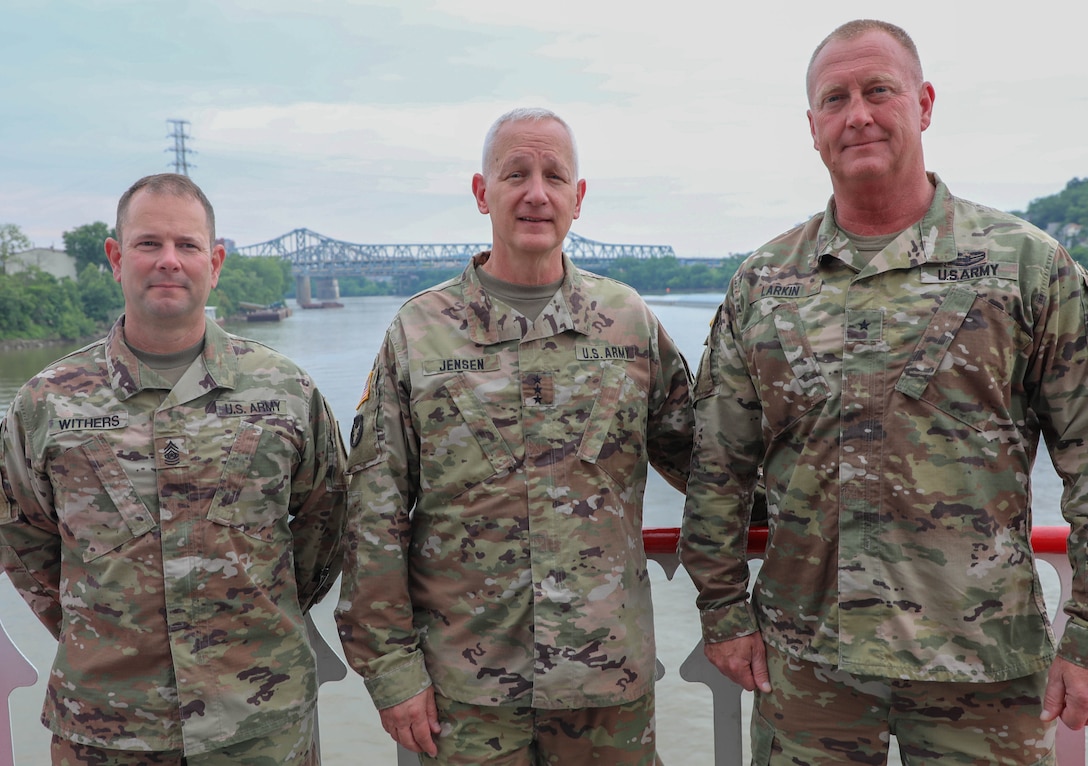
[252,280]
[12,240]
[100,295]
[1080,254]
[38,305]
[86,244]
[1070,205]
[351,287]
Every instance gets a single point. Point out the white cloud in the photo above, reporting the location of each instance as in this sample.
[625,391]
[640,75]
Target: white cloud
[364,120]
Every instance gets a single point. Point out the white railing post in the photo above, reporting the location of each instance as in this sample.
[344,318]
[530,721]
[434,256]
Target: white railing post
[15,671]
[728,727]
[329,667]
[724,694]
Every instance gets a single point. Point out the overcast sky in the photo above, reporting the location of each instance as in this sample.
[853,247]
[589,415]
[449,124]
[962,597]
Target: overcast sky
[364,120]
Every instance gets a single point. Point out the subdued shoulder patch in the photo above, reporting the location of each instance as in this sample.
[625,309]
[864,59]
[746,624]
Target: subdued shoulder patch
[357,427]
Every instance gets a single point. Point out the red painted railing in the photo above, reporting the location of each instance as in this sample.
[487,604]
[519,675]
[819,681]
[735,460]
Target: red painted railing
[664,540]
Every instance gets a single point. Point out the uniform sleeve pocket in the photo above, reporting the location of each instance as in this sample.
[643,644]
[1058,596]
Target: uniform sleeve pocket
[7,508]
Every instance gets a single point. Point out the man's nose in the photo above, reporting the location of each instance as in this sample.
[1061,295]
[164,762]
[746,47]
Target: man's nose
[858,113]
[169,258]
[536,189]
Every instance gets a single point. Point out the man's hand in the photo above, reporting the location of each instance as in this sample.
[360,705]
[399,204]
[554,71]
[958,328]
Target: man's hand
[743,660]
[1066,694]
[414,722]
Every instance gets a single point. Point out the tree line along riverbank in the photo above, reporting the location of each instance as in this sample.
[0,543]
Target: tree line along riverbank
[38,309]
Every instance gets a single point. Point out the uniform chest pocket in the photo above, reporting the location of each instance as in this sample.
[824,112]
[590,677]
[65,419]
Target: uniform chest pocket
[788,377]
[95,500]
[254,492]
[964,362]
[615,435]
[460,445]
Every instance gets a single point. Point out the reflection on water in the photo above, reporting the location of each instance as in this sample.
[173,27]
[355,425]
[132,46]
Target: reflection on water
[17,367]
[337,347]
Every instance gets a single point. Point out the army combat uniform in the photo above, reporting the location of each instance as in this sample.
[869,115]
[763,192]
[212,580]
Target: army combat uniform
[172,540]
[497,472]
[896,407]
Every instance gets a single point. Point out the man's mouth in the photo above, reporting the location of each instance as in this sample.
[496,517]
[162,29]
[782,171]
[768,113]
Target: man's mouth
[858,144]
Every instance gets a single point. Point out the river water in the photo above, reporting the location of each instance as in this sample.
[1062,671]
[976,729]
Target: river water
[337,347]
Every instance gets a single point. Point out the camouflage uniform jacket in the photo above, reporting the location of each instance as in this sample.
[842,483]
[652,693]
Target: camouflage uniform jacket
[497,472]
[173,539]
[896,406]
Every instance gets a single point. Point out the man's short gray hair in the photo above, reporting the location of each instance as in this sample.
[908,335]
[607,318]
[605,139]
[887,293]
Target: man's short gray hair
[858,27]
[521,114]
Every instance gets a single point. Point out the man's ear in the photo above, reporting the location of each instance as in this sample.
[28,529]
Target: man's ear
[479,191]
[113,255]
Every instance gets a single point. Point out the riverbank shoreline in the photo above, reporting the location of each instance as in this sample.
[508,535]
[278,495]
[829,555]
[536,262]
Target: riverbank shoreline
[20,344]
[27,344]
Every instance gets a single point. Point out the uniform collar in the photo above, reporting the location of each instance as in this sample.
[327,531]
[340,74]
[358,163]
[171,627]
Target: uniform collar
[129,376]
[493,322]
[930,240]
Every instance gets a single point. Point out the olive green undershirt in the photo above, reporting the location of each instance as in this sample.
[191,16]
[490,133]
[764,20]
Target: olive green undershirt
[869,246]
[528,300]
[170,366]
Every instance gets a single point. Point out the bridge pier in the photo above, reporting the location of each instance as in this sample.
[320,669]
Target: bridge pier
[302,290]
[308,288]
[326,288]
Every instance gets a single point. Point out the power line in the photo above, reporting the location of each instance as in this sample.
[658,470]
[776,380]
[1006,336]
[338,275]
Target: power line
[181,162]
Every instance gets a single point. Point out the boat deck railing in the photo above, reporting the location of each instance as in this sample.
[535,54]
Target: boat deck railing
[1049,544]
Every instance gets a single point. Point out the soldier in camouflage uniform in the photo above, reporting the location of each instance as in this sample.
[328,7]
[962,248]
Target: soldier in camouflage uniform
[891,365]
[496,596]
[172,506]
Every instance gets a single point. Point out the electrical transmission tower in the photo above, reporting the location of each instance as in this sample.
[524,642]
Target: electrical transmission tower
[181,162]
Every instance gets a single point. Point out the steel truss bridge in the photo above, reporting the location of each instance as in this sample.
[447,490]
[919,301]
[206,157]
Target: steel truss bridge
[315,255]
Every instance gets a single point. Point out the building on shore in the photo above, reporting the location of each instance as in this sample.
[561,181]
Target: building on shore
[48,259]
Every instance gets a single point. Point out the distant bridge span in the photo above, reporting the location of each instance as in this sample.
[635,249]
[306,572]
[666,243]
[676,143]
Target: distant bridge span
[315,255]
